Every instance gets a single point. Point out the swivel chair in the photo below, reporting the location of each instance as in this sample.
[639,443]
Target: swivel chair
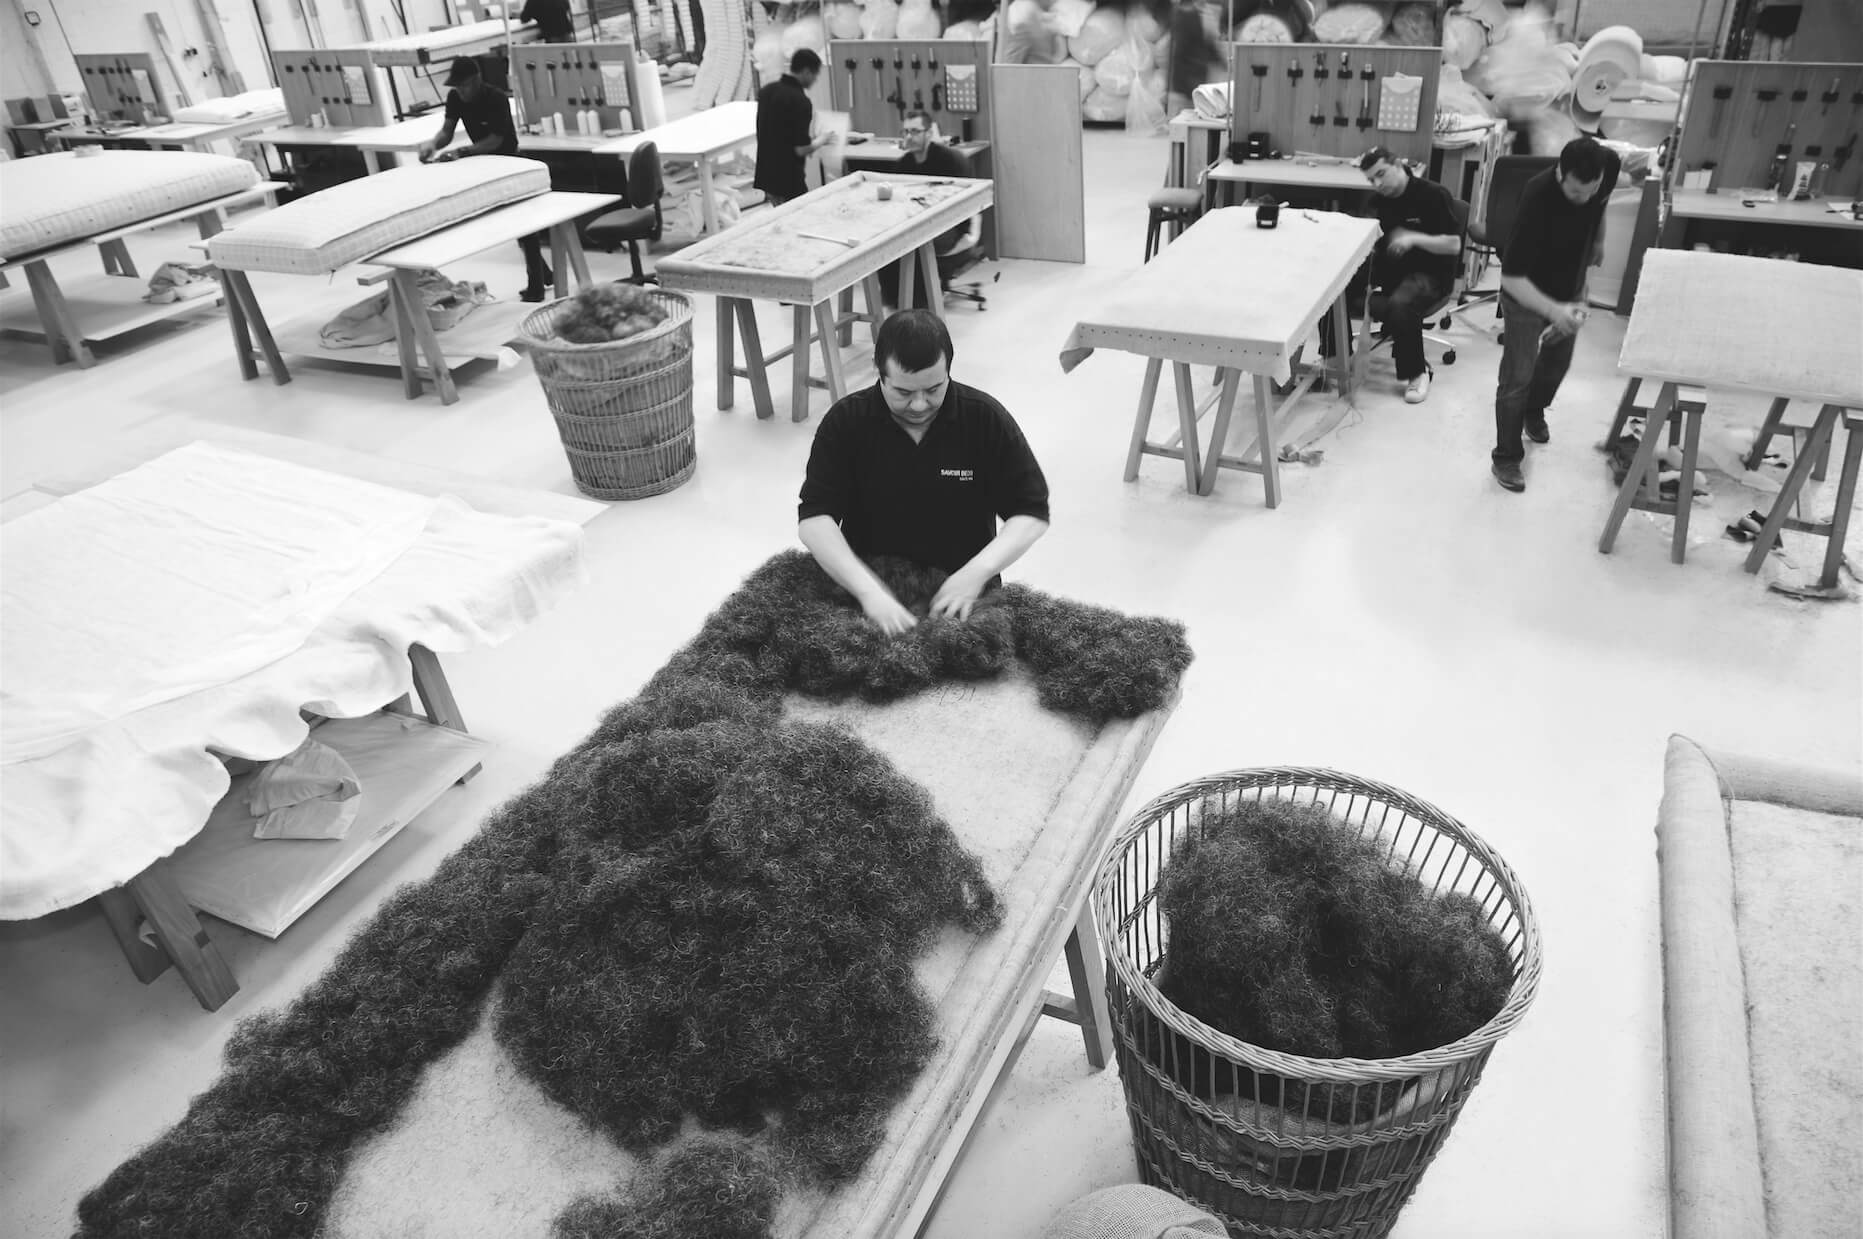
[1450,300]
[641,220]
[1488,234]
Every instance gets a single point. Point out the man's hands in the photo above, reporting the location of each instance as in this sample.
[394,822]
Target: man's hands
[1399,241]
[427,150]
[885,613]
[958,595]
[1567,318]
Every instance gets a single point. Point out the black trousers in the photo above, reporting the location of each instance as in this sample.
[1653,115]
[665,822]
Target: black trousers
[1399,307]
[537,273]
[1533,364]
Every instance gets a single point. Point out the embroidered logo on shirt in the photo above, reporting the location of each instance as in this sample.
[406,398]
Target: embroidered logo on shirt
[962,475]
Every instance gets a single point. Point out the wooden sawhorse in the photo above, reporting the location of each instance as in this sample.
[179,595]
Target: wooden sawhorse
[1678,408]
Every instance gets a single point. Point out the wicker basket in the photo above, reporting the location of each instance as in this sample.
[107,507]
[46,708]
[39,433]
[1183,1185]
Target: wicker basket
[1254,1135]
[623,409]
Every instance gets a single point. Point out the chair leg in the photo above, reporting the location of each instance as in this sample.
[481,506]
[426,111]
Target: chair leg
[633,256]
[1151,237]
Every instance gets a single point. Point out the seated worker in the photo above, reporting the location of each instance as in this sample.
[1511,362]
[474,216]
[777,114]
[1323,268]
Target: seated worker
[486,112]
[1413,267]
[921,467]
[925,156]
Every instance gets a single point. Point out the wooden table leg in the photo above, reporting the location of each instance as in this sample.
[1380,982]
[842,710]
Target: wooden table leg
[908,280]
[844,325]
[1087,971]
[1775,414]
[1685,487]
[831,350]
[1790,488]
[1148,396]
[1219,432]
[1187,426]
[238,285]
[404,345]
[1639,466]
[116,259]
[236,320]
[928,269]
[154,897]
[876,304]
[753,358]
[1846,497]
[407,284]
[799,363]
[1270,450]
[727,350]
[707,208]
[61,330]
[436,695]
[566,249]
[372,161]
[1626,407]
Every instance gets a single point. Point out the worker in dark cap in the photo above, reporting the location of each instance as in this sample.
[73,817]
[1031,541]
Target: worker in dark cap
[486,112]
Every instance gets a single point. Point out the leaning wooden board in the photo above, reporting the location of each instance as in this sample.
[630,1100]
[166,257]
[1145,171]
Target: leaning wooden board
[769,258]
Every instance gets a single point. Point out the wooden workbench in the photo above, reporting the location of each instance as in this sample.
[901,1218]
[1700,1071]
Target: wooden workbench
[807,253]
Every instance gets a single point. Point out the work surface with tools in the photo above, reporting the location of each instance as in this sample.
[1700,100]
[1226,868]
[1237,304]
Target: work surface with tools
[812,247]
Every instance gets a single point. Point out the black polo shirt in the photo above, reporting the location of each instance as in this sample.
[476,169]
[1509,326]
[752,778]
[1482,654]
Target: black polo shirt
[935,502]
[941,160]
[489,113]
[1424,207]
[784,114]
[554,24]
[1551,240]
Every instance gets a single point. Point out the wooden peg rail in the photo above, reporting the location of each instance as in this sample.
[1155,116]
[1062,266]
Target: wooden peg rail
[1328,98]
[1738,115]
[340,83]
[877,81]
[570,78]
[122,86]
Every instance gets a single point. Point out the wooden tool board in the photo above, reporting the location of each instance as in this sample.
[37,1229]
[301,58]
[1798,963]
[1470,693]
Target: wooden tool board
[1278,89]
[1727,120]
[569,78]
[122,85]
[878,81]
[339,82]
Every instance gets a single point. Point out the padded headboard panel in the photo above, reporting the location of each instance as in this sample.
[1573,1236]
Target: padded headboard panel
[346,223]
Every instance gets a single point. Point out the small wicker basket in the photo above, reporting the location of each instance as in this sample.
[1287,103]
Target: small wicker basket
[623,408]
[1278,1145]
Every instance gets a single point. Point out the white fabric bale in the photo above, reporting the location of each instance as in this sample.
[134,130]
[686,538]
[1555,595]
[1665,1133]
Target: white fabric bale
[917,20]
[1668,70]
[1264,28]
[1099,35]
[767,52]
[1103,106]
[1349,23]
[1454,94]
[804,32]
[1088,82]
[880,20]
[1115,72]
[1139,52]
[844,21]
[1140,24]
[1464,40]
[970,31]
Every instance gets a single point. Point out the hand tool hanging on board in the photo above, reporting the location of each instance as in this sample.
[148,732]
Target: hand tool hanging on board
[1828,98]
[1841,155]
[1721,95]
[1320,72]
[1261,75]
[851,65]
[1765,97]
[1364,108]
[1340,119]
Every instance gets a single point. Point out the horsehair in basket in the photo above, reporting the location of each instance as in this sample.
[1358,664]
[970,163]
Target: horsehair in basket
[669,820]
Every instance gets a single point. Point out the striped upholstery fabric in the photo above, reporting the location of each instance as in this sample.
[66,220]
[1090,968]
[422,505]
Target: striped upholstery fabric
[346,223]
[54,199]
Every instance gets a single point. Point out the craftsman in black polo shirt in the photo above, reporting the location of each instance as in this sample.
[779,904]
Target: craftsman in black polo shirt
[920,467]
[486,113]
[784,118]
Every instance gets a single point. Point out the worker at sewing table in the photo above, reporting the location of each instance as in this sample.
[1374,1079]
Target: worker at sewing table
[1412,269]
[923,153]
[922,467]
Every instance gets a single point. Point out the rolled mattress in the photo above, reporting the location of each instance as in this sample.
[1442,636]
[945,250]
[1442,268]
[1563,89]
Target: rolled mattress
[346,223]
[55,199]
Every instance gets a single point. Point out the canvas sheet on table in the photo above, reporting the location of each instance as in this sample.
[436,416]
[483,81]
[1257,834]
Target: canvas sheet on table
[480,1151]
[1762,914]
[269,101]
[1227,293]
[792,242]
[94,812]
[700,133]
[1757,324]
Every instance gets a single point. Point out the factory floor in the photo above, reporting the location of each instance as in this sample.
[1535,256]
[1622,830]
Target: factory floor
[1399,616]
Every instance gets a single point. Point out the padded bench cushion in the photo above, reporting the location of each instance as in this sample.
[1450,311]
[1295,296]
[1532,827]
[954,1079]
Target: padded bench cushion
[55,199]
[346,223]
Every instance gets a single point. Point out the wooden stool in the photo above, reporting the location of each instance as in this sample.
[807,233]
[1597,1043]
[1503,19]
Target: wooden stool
[1641,489]
[1817,445]
[1177,208]
[1775,424]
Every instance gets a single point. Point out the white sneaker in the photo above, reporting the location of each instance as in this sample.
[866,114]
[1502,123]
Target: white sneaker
[1417,388]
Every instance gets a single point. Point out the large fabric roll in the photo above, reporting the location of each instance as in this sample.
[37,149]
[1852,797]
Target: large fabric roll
[1610,58]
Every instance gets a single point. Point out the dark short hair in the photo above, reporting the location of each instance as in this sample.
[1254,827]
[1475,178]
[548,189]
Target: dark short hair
[914,339]
[1375,156]
[917,114]
[1582,158]
[805,61]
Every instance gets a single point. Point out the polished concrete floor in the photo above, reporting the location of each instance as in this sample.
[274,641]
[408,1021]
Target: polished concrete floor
[1399,616]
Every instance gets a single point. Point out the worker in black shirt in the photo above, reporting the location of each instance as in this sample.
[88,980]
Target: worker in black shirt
[784,118]
[922,155]
[1558,236]
[1413,267]
[921,467]
[486,112]
[554,24]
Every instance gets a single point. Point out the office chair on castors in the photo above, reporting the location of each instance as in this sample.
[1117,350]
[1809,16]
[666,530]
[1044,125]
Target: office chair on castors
[953,267]
[641,220]
[1488,234]
[1450,301]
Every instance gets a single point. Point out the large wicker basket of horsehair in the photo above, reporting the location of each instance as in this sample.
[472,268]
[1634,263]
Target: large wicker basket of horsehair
[1206,1108]
[622,407]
